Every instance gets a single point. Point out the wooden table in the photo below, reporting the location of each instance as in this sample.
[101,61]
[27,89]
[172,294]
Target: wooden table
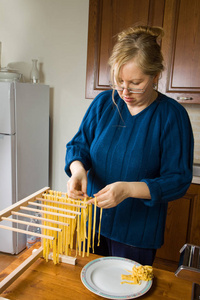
[46,281]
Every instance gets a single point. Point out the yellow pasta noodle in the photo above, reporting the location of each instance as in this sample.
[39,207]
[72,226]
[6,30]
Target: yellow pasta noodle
[94,223]
[89,228]
[101,210]
[77,223]
[138,273]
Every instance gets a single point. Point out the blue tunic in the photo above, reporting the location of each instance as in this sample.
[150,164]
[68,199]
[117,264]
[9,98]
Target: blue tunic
[155,146]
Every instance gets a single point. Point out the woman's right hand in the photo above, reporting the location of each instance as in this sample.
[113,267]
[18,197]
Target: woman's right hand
[77,184]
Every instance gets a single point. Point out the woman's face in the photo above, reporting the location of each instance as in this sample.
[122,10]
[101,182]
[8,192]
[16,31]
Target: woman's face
[132,77]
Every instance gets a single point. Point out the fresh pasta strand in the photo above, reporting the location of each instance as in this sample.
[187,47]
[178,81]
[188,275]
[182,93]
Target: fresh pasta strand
[89,228]
[99,233]
[80,225]
[94,223]
[84,228]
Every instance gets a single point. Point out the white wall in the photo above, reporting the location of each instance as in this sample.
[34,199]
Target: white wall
[55,33]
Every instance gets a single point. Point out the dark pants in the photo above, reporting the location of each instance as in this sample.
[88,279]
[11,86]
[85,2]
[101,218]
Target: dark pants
[108,247]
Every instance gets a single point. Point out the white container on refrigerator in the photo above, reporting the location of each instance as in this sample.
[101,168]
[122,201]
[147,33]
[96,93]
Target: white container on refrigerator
[24,150]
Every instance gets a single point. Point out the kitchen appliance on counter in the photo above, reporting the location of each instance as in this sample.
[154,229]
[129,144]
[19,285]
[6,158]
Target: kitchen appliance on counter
[9,75]
[24,149]
[189,267]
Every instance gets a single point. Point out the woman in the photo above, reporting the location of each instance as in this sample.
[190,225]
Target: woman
[133,150]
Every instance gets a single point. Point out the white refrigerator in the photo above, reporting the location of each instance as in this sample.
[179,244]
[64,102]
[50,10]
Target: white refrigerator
[24,150]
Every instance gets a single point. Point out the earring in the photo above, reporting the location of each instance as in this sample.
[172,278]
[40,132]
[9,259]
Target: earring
[154,86]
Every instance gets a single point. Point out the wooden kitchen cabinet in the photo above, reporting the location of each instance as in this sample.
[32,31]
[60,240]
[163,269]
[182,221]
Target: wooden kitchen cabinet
[180,45]
[106,19]
[182,224]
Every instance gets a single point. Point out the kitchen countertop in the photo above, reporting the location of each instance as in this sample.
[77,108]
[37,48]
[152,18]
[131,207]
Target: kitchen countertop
[196,173]
[44,280]
[196,179]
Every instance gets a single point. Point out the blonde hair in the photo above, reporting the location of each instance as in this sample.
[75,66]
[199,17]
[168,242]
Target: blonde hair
[141,43]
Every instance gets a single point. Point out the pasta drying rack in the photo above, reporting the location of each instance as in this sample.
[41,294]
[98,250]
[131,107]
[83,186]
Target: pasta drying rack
[61,218]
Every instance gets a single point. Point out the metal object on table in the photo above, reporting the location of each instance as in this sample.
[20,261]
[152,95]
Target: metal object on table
[189,267]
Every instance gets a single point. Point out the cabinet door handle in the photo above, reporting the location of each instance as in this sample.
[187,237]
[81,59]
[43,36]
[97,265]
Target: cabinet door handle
[184,98]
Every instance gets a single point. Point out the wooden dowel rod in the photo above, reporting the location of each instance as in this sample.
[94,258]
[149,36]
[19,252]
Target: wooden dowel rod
[62,203]
[15,207]
[16,213]
[54,208]
[32,224]
[65,197]
[46,212]
[20,270]
[27,232]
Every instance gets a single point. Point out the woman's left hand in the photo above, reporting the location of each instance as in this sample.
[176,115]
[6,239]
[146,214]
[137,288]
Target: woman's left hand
[116,192]
[111,195]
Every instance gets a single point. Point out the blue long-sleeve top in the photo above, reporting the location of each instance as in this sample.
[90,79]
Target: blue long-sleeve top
[155,146]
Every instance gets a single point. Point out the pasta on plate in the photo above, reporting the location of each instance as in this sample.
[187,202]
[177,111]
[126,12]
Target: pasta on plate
[138,273]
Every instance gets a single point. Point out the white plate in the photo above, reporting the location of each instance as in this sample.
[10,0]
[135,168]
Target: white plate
[102,276]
